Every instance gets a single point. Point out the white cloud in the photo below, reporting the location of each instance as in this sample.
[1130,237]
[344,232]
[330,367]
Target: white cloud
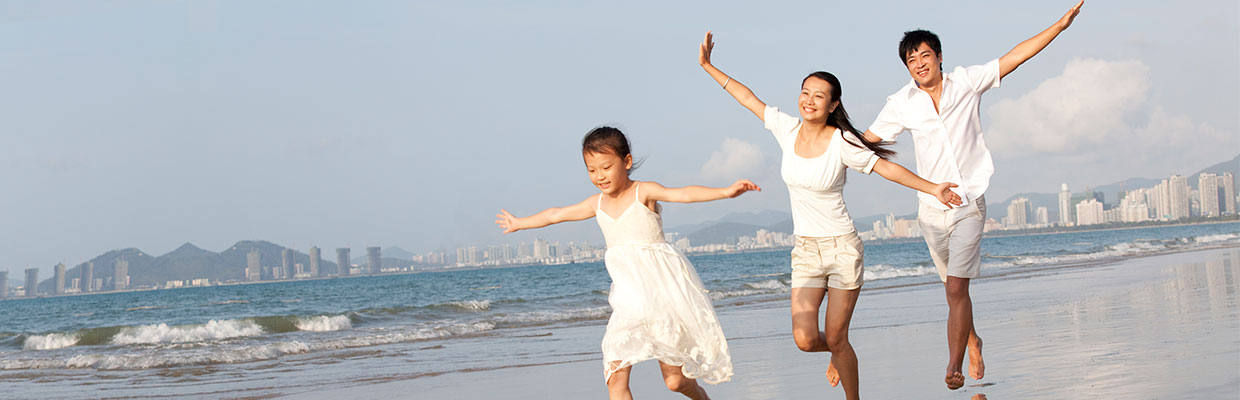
[1072,112]
[735,159]
[1097,123]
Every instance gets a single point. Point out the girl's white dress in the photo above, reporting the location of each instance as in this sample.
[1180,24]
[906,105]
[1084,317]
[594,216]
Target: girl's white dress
[660,309]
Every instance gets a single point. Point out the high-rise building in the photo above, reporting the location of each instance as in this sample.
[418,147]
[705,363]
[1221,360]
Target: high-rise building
[1178,189]
[1227,182]
[32,282]
[1162,200]
[4,284]
[373,260]
[1065,205]
[523,251]
[253,265]
[1089,212]
[88,277]
[541,252]
[1134,207]
[59,275]
[315,257]
[1018,212]
[1207,194]
[1043,216]
[342,261]
[287,263]
[120,275]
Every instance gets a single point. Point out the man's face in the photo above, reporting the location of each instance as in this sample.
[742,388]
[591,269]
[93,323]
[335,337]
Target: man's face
[924,65]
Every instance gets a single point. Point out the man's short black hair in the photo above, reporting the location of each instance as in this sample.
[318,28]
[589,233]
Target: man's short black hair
[913,39]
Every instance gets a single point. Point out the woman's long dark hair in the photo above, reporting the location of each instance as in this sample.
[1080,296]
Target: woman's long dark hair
[839,117]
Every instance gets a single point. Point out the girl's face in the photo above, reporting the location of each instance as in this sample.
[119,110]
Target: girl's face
[608,171]
[815,101]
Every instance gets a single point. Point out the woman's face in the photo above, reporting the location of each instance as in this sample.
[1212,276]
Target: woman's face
[815,101]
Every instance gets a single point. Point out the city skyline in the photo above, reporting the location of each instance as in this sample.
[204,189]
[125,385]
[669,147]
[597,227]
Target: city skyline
[1183,203]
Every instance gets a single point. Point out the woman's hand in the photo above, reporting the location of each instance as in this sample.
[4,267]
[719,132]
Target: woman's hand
[704,50]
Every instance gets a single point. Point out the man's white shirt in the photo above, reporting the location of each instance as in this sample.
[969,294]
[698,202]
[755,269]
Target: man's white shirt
[948,144]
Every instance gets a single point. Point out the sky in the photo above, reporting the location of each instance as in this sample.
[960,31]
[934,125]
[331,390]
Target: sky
[150,124]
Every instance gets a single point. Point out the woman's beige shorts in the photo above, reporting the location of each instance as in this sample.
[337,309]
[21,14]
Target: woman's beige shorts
[822,262]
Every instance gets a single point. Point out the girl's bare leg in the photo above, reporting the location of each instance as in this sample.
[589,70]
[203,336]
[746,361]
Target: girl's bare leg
[677,382]
[618,384]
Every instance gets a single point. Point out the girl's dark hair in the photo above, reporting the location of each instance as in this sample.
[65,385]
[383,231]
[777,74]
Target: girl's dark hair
[606,139]
[839,117]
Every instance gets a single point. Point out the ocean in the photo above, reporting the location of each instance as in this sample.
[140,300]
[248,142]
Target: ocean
[291,337]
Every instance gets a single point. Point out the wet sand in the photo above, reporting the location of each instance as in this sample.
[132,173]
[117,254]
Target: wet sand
[1165,326]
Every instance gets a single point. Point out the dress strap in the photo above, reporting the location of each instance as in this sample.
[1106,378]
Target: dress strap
[637,196]
[599,206]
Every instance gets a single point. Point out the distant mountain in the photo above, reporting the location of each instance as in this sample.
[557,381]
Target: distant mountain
[1232,166]
[760,218]
[187,262]
[721,232]
[385,253]
[105,267]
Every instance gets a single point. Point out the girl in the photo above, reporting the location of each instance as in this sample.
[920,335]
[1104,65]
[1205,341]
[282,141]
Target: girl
[827,257]
[659,307]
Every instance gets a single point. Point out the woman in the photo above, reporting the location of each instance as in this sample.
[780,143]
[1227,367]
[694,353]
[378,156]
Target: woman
[827,260]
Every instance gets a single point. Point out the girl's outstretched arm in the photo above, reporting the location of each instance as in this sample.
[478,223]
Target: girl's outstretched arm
[555,215]
[898,174]
[740,92]
[695,194]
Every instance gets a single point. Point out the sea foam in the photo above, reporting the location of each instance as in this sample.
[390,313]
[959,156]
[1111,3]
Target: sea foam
[323,323]
[163,333]
[50,341]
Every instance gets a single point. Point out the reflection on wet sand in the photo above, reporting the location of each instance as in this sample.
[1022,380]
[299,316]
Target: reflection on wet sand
[1137,331]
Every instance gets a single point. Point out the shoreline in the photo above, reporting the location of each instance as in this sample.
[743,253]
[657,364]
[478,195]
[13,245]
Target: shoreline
[479,268]
[1086,308]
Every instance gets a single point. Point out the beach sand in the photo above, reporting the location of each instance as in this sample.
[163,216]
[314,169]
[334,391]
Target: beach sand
[1165,326]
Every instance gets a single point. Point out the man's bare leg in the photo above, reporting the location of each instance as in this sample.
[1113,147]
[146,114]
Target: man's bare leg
[977,369]
[959,325]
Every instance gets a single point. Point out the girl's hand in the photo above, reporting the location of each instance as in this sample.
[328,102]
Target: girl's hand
[506,221]
[741,186]
[946,196]
[705,49]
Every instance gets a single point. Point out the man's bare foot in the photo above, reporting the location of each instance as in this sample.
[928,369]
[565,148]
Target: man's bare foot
[979,396]
[954,380]
[833,376]
[977,369]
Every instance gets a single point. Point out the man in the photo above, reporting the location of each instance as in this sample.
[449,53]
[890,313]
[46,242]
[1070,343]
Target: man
[942,112]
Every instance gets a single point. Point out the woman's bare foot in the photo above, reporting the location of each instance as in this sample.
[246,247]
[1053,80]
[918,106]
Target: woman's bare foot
[833,376]
[977,369]
[954,380]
